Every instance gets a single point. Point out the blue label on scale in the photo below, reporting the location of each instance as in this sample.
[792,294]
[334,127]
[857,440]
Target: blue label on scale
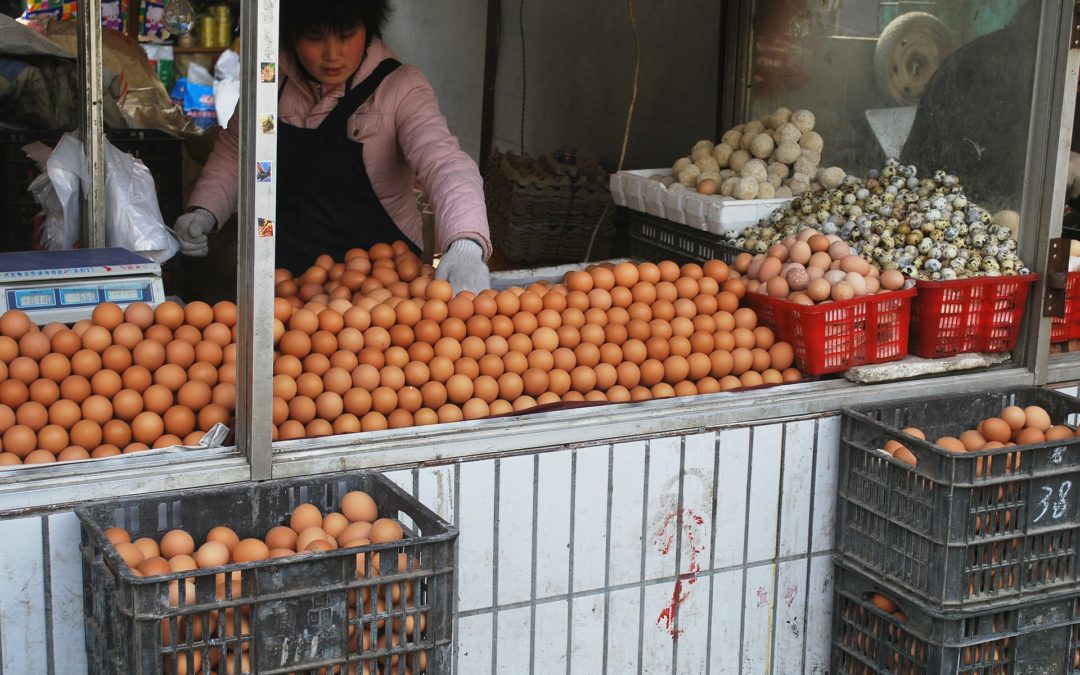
[34,299]
[79,296]
[127,294]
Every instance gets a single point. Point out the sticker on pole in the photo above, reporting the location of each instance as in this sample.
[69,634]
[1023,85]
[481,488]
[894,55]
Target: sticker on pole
[266,228]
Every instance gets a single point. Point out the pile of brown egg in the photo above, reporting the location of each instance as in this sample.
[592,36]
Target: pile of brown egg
[356,523]
[405,351]
[375,342]
[812,268]
[123,381]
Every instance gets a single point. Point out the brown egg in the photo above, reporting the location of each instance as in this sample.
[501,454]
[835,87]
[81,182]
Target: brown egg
[33,415]
[14,393]
[281,537]
[1027,436]
[179,420]
[1037,418]
[972,440]
[98,409]
[159,333]
[250,550]
[996,429]
[217,333]
[107,315]
[116,358]
[171,376]
[147,427]
[385,530]
[180,353]
[139,314]
[52,438]
[20,440]
[212,554]
[15,323]
[149,354]
[7,418]
[127,335]
[952,444]
[106,383]
[892,280]
[176,543]
[1015,417]
[86,433]
[1058,433]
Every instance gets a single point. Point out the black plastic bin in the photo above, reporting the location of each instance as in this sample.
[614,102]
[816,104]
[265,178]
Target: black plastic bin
[953,534]
[1024,638]
[655,239]
[160,151]
[302,614]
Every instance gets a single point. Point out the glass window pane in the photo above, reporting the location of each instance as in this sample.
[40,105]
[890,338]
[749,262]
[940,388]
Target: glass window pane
[941,84]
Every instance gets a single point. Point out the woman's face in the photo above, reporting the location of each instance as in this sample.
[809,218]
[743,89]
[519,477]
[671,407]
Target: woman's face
[331,57]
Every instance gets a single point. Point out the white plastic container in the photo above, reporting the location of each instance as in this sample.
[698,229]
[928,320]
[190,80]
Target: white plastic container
[636,190]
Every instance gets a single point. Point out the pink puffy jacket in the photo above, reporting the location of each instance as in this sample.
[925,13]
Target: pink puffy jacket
[405,138]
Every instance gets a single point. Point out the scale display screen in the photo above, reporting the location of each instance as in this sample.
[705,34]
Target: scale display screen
[123,294]
[35,299]
[78,296]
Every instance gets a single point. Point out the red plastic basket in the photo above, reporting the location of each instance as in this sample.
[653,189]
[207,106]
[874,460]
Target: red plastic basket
[1068,327]
[968,315]
[835,336]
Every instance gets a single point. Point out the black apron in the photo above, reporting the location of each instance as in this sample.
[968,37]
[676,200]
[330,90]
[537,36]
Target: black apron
[325,201]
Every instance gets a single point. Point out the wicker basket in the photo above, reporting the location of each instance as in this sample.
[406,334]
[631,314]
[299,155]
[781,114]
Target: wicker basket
[542,210]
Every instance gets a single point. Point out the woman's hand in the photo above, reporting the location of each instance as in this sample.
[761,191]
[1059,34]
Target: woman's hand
[191,230]
[463,266]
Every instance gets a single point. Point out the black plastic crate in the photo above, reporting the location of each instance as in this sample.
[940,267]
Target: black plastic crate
[656,239]
[160,151]
[961,530]
[302,614]
[1030,637]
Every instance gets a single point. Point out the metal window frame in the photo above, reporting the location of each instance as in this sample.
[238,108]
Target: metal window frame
[1047,158]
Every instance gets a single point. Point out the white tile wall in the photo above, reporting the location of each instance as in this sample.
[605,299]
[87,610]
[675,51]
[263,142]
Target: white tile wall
[701,553]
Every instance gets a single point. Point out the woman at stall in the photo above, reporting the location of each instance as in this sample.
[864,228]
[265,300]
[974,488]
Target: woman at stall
[355,130]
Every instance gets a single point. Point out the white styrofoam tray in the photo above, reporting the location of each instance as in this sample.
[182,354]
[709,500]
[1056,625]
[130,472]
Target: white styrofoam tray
[636,190]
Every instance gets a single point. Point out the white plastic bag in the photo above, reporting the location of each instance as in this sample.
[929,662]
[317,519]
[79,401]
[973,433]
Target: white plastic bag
[132,215]
[226,85]
[57,190]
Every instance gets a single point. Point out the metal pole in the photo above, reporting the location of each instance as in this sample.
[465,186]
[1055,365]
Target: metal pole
[1049,136]
[92,213]
[491,63]
[256,228]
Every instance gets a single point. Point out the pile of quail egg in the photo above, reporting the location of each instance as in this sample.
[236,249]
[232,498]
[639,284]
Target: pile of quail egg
[925,227]
[776,156]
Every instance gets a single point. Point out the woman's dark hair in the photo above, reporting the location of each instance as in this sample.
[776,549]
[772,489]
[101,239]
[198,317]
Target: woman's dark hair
[304,17]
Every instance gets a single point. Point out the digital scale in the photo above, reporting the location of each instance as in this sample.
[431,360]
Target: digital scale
[65,286]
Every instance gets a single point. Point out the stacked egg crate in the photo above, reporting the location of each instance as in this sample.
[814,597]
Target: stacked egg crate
[957,561]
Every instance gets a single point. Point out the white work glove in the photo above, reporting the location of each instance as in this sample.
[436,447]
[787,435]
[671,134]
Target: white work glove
[191,230]
[1073,185]
[464,267]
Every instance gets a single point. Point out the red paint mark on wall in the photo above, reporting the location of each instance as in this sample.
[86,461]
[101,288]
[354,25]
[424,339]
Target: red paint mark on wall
[789,596]
[663,540]
[762,596]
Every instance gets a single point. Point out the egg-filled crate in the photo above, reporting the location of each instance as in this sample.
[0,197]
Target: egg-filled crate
[331,611]
[961,530]
[878,629]
[980,314]
[1067,327]
[654,239]
[835,336]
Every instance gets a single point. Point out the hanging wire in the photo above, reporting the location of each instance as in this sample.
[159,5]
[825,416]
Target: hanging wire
[629,120]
